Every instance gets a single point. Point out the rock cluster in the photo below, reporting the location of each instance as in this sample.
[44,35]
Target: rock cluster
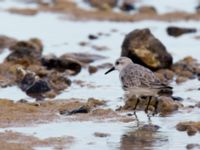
[143,48]
[40,76]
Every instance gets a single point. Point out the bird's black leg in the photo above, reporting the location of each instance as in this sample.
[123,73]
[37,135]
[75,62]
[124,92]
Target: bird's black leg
[147,107]
[156,107]
[134,109]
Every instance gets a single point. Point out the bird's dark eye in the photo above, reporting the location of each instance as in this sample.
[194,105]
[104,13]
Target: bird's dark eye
[117,63]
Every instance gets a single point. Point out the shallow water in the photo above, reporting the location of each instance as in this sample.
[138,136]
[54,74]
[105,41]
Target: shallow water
[61,36]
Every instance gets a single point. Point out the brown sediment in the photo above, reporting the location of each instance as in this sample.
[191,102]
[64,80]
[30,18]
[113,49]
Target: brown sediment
[23,11]
[72,11]
[23,114]
[18,114]
[14,140]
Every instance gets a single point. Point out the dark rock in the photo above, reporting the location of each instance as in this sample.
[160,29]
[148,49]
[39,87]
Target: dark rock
[193,146]
[25,53]
[147,10]
[92,69]
[127,6]
[62,64]
[143,48]
[192,130]
[92,37]
[198,8]
[84,58]
[99,134]
[32,84]
[177,31]
[82,109]
[103,4]
[177,98]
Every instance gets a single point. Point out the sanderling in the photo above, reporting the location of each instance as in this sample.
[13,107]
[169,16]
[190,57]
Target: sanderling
[139,81]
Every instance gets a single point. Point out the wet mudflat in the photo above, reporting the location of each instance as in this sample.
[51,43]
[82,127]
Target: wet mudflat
[84,109]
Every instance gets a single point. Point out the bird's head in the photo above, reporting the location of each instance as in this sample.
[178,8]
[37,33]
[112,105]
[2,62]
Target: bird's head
[120,63]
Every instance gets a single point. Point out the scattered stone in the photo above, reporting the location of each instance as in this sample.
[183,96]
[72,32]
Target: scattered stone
[92,37]
[103,4]
[92,69]
[143,48]
[82,109]
[127,6]
[8,74]
[197,105]
[187,68]
[167,105]
[6,42]
[193,146]
[147,10]
[191,130]
[177,31]
[165,75]
[181,79]
[177,98]
[101,135]
[190,126]
[198,8]
[92,102]
[58,81]
[25,53]
[30,83]
[62,64]
[23,11]
[83,43]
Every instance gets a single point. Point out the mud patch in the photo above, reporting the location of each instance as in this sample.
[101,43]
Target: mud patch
[14,140]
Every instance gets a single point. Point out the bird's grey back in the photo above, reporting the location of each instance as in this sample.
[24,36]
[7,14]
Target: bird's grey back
[134,75]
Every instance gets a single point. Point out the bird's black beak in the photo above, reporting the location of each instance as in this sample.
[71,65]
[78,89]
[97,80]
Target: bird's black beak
[111,69]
